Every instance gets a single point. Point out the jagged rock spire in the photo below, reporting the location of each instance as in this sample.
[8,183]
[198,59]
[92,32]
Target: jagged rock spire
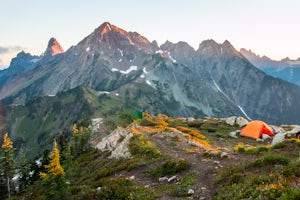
[53,48]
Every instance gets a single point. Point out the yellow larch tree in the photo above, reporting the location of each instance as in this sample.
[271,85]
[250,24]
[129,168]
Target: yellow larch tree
[54,181]
[75,129]
[54,167]
[7,161]
[7,143]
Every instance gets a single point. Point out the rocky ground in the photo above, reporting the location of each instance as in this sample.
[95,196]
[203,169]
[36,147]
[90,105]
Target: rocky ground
[206,160]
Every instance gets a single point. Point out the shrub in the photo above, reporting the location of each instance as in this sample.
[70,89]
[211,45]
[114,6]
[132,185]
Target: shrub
[118,188]
[141,146]
[279,145]
[241,148]
[271,159]
[149,120]
[292,169]
[169,168]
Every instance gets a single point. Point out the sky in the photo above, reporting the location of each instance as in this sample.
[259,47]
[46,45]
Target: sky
[267,27]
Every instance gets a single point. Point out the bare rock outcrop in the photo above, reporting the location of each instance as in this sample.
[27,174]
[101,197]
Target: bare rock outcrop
[117,142]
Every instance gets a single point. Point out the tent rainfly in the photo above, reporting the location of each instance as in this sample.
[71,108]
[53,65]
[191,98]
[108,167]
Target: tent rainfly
[255,129]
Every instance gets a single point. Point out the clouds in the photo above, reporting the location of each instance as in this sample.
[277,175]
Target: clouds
[6,54]
[9,49]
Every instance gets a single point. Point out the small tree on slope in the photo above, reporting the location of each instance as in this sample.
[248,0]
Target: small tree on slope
[54,179]
[7,162]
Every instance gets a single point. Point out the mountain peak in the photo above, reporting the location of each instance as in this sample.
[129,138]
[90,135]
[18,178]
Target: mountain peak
[208,47]
[227,45]
[53,48]
[107,27]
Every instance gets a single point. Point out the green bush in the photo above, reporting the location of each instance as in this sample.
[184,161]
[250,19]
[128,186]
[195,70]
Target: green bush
[279,145]
[141,146]
[290,194]
[118,188]
[169,168]
[292,169]
[257,150]
[270,159]
[229,172]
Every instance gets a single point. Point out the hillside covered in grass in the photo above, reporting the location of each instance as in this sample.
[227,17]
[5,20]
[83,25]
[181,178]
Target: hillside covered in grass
[159,157]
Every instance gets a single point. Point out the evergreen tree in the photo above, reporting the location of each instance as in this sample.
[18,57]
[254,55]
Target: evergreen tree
[7,163]
[24,170]
[80,141]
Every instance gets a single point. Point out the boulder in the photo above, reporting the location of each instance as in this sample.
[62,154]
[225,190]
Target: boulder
[172,179]
[162,179]
[279,137]
[277,129]
[233,134]
[241,121]
[224,155]
[293,132]
[191,191]
[190,119]
[265,136]
[231,120]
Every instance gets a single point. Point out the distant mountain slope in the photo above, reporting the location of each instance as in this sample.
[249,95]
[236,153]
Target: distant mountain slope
[285,69]
[214,80]
[34,125]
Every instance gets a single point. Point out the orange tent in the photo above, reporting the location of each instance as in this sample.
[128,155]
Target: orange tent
[255,129]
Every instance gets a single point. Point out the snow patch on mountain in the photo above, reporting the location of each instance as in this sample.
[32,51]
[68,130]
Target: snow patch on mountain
[35,60]
[173,60]
[131,68]
[108,25]
[243,111]
[219,89]
[121,52]
[103,92]
[145,71]
[115,70]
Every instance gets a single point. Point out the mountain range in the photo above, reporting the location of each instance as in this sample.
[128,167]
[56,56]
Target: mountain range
[175,79]
[285,69]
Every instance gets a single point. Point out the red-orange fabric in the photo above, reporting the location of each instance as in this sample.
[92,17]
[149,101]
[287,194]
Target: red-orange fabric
[255,129]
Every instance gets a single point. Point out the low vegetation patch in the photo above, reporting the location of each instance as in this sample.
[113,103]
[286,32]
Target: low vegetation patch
[180,188]
[249,149]
[273,176]
[118,188]
[168,168]
[140,146]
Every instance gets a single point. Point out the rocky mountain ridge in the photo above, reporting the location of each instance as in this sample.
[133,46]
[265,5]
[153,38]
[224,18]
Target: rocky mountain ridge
[286,69]
[214,80]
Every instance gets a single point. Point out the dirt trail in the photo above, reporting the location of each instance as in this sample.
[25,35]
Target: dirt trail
[205,167]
